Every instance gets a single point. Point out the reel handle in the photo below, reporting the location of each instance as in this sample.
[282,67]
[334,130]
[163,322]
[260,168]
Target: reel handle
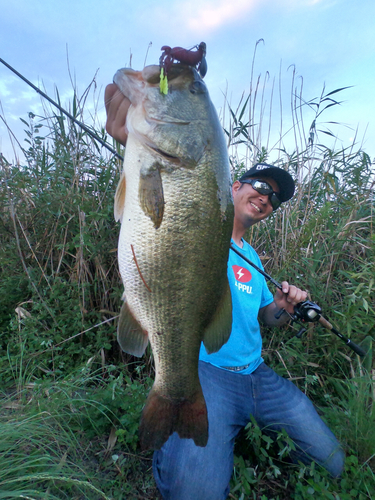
[279,313]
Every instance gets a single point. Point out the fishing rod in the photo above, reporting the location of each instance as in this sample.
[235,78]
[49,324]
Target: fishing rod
[83,126]
[304,312]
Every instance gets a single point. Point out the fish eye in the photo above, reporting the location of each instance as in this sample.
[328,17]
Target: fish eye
[197,87]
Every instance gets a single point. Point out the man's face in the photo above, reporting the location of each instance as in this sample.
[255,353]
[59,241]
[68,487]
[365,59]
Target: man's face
[250,206]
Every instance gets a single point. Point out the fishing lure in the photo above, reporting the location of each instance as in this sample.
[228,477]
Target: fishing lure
[195,58]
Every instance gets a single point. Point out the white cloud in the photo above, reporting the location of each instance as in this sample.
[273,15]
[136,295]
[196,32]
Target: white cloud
[181,22]
[206,16]
[5,86]
[308,3]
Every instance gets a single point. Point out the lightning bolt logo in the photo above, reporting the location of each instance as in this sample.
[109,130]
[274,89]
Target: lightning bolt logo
[241,274]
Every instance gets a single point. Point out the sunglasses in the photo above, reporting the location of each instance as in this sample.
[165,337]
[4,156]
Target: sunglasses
[263,187]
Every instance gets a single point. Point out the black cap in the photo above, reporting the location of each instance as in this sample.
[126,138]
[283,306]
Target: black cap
[282,177]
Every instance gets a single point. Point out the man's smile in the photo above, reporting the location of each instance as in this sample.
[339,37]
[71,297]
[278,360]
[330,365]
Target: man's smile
[255,206]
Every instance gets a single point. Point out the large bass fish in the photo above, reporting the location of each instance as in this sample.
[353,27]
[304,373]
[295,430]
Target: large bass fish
[176,212]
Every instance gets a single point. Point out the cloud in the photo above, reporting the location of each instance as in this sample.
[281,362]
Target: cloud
[5,86]
[200,16]
[181,22]
[309,3]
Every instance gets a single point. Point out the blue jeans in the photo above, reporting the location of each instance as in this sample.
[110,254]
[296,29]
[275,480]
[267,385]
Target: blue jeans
[184,471]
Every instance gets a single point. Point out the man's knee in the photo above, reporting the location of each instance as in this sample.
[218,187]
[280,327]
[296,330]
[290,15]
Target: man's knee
[188,472]
[180,485]
[335,463]
[196,491]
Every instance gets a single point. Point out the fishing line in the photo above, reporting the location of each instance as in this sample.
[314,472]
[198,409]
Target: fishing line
[86,129]
[302,310]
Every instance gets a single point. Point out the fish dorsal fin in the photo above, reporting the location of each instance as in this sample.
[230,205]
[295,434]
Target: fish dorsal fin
[130,335]
[120,198]
[151,196]
[218,331]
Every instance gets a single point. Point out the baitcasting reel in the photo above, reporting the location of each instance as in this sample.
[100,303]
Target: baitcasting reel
[304,312]
[309,312]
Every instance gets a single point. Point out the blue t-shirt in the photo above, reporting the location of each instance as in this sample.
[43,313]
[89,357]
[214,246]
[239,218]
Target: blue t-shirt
[249,294]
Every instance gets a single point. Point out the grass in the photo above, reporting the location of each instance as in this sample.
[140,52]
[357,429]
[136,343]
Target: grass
[70,400]
[39,457]
[75,438]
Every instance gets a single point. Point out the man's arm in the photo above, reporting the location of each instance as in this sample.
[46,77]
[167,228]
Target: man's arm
[116,105]
[285,299]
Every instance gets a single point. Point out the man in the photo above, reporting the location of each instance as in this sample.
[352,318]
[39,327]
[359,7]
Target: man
[236,382]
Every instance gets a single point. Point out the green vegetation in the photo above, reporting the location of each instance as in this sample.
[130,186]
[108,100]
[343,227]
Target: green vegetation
[71,401]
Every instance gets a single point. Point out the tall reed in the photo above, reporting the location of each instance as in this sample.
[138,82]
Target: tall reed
[61,291]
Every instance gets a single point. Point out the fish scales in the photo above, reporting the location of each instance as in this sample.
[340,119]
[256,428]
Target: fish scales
[176,222]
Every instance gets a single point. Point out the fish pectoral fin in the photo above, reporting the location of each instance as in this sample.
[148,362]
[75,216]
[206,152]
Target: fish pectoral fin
[120,198]
[151,196]
[218,331]
[130,335]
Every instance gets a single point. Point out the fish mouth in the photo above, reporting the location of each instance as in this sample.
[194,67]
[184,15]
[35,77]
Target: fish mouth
[164,154]
[185,160]
[159,152]
[172,121]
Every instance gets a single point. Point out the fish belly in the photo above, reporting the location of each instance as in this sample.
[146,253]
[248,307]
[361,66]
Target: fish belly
[173,279]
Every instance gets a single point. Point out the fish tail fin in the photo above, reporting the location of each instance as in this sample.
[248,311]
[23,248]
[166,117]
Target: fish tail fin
[162,416]
[192,422]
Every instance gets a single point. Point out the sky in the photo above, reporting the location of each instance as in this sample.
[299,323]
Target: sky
[320,44]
